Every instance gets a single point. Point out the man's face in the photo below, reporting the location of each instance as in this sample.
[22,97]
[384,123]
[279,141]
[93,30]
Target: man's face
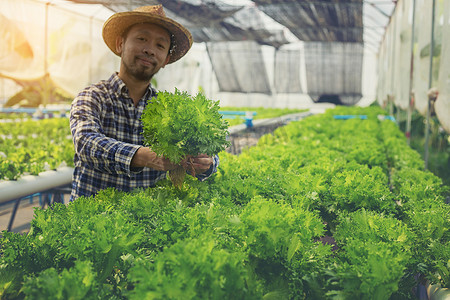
[144,51]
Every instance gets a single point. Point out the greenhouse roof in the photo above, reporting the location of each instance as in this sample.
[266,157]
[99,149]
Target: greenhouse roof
[274,22]
[309,47]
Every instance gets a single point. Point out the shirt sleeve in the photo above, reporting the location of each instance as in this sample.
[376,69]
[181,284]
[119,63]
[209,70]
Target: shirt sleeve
[92,146]
[213,169]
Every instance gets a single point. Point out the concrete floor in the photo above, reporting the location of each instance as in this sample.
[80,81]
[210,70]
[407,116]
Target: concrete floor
[23,217]
[24,214]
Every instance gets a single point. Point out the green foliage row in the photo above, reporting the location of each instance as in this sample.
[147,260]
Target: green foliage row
[261,113]
[14,116]
[33,146]
[311,212]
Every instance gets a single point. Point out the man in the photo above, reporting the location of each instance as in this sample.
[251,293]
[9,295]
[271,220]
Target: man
[105,117]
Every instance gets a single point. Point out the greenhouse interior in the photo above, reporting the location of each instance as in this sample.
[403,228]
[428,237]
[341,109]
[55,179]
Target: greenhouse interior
[276,149]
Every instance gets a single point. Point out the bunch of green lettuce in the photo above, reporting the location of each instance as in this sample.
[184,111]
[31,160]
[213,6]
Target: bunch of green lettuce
[176,126]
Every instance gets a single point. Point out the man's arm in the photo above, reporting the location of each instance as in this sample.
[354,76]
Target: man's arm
[92,146]
[145,157]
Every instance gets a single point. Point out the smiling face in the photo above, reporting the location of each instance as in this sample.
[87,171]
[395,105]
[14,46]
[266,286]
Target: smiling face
[144,51]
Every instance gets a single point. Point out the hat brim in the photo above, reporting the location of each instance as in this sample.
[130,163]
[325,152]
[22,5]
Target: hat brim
[117,24]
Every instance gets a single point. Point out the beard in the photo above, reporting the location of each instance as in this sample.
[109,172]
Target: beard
[144,75]
[139,71]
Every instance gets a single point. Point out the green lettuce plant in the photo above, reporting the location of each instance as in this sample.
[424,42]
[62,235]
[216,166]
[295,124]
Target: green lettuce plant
[179,126]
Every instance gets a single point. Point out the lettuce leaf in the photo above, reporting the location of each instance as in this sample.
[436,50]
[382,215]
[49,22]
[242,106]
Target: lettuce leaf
[176,125]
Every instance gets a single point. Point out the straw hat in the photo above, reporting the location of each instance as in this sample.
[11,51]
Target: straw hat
[117,24]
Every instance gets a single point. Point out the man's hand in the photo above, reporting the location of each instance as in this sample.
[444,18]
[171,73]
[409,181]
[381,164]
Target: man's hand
[145,157]
[200,163]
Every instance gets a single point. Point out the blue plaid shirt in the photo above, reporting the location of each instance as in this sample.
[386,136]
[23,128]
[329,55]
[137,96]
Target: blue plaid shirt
[107,132]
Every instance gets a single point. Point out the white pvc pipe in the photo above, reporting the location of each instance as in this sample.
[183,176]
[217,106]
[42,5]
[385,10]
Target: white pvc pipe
[266,122]
[29,185]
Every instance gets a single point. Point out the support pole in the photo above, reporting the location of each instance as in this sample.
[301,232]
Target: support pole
[430,84]
[393,41]
[46,81]
[411,77]
[46,39]
[13,214]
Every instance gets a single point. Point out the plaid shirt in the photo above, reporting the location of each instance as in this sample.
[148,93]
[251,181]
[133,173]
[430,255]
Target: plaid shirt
[107,132]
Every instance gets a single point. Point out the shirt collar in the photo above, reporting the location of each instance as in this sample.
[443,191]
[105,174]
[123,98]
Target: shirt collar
[117,84]
[120,88]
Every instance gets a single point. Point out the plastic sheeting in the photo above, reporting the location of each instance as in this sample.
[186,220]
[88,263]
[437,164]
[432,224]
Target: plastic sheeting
[395,79]
[318,20]
[442,105]
[217,21]
[199,13]
[189,74]
[334,69]
[402,64]
[422,48]
[45,44]
[395,58]
[194,13]
[247,24]
[287,71]
[239,67]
